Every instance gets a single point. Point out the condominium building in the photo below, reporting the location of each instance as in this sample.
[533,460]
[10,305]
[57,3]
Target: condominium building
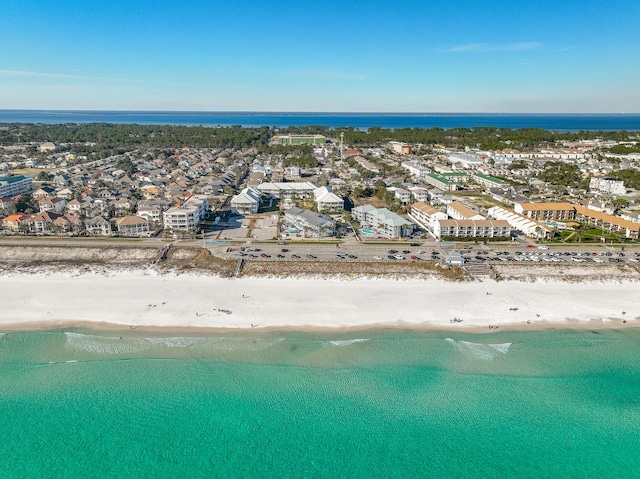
[426,215]
[459,211]
[562,211]
[188,215]
[312,223]
[288,190]
[519,222]
[298,139]
[472,229]
[612,223]
[15,185]
[488,181]
[327,200]
[382,221]
[440,182]
[246,202]
[613,186]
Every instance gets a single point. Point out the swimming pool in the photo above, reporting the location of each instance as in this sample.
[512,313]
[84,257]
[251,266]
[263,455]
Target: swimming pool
[368,232]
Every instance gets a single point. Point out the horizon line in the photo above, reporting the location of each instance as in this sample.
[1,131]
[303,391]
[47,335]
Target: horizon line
[319,113]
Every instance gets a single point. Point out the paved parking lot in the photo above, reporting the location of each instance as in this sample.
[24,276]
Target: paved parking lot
[481,253]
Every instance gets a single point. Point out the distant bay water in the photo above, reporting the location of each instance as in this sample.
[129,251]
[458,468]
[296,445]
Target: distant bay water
[556,122]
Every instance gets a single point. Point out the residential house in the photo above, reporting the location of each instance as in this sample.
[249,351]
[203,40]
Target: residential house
[13,222]
[52,203]
[98,226]
[132,226]
[44,192]
[42,222]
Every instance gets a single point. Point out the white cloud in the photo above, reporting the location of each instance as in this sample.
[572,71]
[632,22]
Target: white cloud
[488,47]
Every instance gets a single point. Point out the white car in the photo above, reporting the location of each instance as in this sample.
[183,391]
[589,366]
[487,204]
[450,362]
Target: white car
[377,257]
[543,247]
[399,256]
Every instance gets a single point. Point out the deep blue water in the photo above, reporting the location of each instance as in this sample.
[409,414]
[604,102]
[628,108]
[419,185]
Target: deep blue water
[557,122]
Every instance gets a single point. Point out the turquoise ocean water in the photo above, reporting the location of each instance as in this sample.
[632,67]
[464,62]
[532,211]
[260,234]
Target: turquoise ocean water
[367,404]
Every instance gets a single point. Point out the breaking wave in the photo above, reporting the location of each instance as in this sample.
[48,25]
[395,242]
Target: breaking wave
[480,350]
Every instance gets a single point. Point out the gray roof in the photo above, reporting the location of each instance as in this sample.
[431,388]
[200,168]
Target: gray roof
[311,217]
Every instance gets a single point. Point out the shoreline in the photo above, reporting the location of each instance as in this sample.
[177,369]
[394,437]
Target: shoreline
[187,303]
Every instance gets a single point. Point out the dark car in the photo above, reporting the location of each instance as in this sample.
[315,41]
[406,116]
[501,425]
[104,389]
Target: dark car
[263,255]
[391,257]
[392,251]
[352,256]
[310,256]
[281,256]
[415,244]
[295,256]
[406,251]
[284,250]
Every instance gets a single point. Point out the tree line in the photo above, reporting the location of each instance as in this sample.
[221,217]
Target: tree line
[109,135]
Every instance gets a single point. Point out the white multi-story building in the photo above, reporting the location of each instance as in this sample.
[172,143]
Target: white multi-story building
[188,215]
[288,190]
[459,211]
[404,196]
[426,215]
[519,222]
[382,221]
[419,194]
[472,229]
[246,202]
[14,185]
[133,226]
[327,200]
[466,160]
[416,169]
[613,186]
[312,223]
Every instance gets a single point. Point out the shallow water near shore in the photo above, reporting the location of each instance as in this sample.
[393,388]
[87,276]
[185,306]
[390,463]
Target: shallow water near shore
[363,404]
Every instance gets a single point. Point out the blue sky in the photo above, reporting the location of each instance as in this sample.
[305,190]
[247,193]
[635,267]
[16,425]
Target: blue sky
[555,56]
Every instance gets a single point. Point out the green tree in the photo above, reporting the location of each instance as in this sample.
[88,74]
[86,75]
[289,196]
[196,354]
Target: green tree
[27,204]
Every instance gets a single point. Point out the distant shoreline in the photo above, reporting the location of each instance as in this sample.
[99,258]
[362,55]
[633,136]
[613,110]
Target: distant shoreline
[561,122]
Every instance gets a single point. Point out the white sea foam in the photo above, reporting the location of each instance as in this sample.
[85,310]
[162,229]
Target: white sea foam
[103,344]
[347,342]
[480,350]
[109,345]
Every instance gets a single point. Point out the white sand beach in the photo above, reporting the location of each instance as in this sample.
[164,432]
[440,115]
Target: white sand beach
[148,300]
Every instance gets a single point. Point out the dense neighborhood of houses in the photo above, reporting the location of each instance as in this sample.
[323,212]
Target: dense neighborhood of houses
[390,191]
